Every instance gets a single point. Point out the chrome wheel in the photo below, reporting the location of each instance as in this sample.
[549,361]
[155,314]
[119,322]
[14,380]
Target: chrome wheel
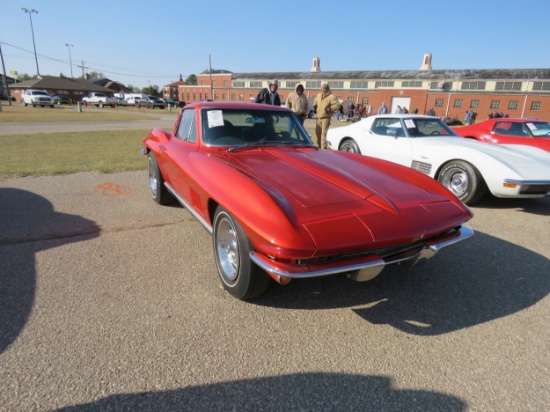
[227,246]
[463,180]
[153,178]
[457,181]
[350,146]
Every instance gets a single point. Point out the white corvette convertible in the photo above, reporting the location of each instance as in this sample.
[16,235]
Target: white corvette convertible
[468,168]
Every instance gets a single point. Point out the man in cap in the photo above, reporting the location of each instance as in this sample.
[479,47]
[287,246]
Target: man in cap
[325,104]
[269,95]
[297,102]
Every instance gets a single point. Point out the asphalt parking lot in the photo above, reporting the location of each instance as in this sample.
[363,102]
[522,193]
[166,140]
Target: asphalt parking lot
[111,302]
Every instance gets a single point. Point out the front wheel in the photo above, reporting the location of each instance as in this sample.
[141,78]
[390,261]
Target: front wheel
[159,193]
[238,274]
[463,180]
[350,145]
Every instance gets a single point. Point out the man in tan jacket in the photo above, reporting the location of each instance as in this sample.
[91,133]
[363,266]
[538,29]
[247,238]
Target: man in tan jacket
[325,104]
[297,102]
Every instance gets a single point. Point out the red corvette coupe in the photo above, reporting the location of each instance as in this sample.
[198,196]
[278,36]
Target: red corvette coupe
[529,132]
[274,203]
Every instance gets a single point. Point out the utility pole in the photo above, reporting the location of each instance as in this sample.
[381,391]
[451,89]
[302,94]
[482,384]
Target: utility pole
[83,69]
[4,79]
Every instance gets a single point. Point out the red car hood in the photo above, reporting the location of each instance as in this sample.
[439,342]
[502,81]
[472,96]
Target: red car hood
[339,207]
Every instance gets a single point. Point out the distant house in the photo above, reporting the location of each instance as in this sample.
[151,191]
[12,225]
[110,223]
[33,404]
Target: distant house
[170,91]
[74,89]
[9,82]
[112,85]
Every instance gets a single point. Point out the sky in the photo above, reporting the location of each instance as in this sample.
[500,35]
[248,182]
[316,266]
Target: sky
[145,43]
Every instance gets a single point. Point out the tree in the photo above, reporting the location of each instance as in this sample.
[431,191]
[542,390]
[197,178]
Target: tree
[94,76]
[23,77]
[191,79]
[153,90]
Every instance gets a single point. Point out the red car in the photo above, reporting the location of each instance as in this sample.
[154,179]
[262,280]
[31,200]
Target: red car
[509,131]
[275,203]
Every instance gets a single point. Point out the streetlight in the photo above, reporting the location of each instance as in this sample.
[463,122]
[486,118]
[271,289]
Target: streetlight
[70,58]
[32,32]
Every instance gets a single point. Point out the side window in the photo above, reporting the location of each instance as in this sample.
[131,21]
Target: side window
[187,130]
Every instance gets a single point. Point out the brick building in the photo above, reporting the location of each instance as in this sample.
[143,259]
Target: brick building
[516,92]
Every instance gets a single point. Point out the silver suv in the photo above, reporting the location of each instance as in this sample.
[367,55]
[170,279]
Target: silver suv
[36,98]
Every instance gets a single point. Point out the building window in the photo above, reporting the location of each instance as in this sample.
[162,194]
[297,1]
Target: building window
[238,84]
[291,85]
[495,104]
[336,85]
[202,82]
[508,86]
[241,97]
[350,99]
[216,96]
[233,96]
[223,97]
[213,83]
[535,106]
[513,105]
[225,83]
[457,104]
[188,96]
[313,84]
[252,96]
[365,100]
[438,102]
[474,104]
[411,84]
[200,96]
[473,86]
[256,85]
[359,85]
[537,86]
[194,97]
[384,83]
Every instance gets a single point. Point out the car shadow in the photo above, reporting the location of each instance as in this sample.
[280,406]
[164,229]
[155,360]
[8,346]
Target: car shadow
[539,207]
[476,281]
[29,225]
[294,392]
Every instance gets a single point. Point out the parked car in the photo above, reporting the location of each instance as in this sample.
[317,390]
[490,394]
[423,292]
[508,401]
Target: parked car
[139,100]
[61,100]
[466,167]
[172,102]
[36,98]
[274,203]
[156,102]
[531,132]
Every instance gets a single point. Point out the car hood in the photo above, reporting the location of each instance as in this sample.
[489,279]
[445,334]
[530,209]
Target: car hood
[512,155]
[341,199]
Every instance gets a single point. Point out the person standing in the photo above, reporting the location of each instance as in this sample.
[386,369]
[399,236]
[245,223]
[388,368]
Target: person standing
[383,109]
[325,103]
[269,95]
[431,112]
[297,102]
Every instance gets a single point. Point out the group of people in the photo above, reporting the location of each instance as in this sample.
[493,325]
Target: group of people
[325,104]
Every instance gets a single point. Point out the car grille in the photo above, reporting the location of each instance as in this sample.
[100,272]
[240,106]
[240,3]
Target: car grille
[534,189]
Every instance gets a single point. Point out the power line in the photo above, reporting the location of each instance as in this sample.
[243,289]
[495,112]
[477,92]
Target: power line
[93,68]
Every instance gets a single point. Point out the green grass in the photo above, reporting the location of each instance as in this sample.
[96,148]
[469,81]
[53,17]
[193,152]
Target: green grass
[62,153]
[68,113]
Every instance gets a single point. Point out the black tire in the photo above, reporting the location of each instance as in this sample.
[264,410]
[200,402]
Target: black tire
[159,193]
[463,180]
[349,145]
[238,274]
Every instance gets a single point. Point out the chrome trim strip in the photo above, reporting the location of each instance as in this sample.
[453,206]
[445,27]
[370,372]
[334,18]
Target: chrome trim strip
[427,252]
[187,206]
[527,182]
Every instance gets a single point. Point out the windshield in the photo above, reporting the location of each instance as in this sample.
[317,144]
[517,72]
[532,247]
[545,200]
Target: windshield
[539,129]
[251,127]
[40,93]
[411,127]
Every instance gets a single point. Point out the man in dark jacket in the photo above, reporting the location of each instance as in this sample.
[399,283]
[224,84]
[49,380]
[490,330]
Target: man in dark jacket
[269,95]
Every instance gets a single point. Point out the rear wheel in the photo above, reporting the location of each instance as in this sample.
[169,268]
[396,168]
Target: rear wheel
[350,145]
[159,193]
[463,180]
[238,274]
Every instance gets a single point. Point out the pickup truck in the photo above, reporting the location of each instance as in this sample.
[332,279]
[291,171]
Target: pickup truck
[36,98]
[99,99]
